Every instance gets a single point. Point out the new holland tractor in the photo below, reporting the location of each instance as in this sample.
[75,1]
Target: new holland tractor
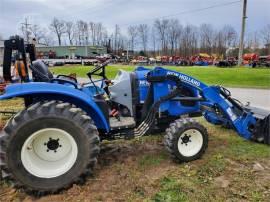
[54,141]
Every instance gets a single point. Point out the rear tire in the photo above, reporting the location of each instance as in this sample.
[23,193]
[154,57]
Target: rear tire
[48,147]
[186,140]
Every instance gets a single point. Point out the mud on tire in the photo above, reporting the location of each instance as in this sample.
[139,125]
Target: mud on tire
[186,140]
[59,117]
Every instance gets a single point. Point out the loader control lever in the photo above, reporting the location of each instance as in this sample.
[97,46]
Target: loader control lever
[96,71]
[227,94]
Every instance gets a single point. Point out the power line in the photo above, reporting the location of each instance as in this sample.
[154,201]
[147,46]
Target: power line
[186,12]
[84,8]
[89,9]
[112,2]
[25,28]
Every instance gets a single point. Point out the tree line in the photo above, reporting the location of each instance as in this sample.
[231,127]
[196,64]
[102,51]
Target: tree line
[162,37]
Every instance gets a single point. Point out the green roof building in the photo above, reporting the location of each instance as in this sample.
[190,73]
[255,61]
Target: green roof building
[70,51]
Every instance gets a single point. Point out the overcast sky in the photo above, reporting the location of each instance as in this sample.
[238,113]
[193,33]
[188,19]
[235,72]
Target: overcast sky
[126,12]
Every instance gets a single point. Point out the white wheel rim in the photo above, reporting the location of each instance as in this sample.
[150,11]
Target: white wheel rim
[190,142]
[49,153]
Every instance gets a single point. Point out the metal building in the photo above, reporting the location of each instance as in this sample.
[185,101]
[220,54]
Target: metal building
[70,52]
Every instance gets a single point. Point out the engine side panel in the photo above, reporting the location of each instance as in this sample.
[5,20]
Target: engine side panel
[121,91]
[173,108]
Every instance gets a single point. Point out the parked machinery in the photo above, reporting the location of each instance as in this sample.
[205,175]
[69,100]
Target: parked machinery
[54,142]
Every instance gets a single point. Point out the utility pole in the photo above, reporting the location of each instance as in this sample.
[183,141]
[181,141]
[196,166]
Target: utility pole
[25,28]
[241,45]
[127,50]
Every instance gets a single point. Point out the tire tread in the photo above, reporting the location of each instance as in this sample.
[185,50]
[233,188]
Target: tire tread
[54,108]
[173,132]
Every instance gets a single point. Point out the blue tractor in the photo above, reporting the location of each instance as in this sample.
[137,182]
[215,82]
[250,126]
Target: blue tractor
[54,141]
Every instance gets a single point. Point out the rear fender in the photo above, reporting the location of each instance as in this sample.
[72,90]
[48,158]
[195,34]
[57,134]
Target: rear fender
[48,91]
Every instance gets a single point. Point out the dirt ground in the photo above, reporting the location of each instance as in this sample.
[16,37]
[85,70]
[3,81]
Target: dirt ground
[232,169]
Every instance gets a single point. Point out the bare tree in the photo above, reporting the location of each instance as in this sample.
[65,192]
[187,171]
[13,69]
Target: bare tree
[222,40]
[117,39]
[70,31]
[82,33]
[85,32]
[193,40]
[230,36]
[105,37]
[132,35]
[98,33]
[47,38]
[143,30]
[265,33]
[252,42]
[92,28]
[162,28]
[153,37]
[78,33]
[219,43]
[248,41]
[37,32]
[167,36]
[207,35]
[174,32]
[58,27]
[189,41]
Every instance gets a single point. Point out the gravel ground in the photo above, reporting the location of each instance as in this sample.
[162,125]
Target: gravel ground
[257,97]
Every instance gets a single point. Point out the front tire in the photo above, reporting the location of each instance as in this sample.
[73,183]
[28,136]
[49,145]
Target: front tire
[186,140]
[48,147]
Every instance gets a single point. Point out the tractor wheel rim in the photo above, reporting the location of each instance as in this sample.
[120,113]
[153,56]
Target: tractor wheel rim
[190,142]
[49,153]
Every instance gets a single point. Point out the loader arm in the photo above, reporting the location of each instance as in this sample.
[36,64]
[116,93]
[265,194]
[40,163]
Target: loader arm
[223,110]
[218,107]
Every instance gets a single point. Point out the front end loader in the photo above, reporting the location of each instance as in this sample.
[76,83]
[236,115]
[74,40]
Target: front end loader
[54,141]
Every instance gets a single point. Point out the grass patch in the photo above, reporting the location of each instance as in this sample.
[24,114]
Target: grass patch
[230,77]
[215,166]
[82,71]
[152,159]
[170,190]
[12,104]
[256,196]
[234,146]
[240,149]
[9,105]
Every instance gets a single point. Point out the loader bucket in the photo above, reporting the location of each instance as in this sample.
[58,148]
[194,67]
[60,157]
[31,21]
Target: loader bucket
[261,131]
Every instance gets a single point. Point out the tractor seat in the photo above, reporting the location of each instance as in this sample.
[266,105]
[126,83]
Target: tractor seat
[40,71]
